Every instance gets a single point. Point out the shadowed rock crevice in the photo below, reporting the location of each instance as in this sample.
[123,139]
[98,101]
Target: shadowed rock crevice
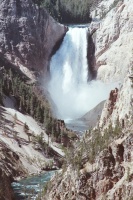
[91,55]
[120,152]
[58,44]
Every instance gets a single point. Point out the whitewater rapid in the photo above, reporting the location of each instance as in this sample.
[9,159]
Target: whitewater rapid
[71,86]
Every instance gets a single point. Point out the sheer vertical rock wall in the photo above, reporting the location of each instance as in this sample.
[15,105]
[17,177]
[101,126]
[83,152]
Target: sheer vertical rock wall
[28,34]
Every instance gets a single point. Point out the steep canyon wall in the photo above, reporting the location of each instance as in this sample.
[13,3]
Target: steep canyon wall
[28,34]
[114,59]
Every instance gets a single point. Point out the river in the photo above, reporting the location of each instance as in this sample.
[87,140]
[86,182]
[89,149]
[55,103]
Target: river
[28,188]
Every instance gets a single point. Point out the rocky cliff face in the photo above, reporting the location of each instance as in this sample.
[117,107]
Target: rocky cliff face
[119,107]
[5,186]
[10,167]
[109,178]
[114,59]
[28,34]
[114,45]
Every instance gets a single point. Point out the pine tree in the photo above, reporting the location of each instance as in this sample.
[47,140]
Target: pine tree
[15,118]
[26,128]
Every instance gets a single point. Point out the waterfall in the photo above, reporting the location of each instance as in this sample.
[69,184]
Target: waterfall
[70,85]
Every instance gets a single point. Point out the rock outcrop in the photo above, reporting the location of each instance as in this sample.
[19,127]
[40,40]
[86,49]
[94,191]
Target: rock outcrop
[119,107]
[114,59]
[10,167]
[113,41]
[91,118]
[28,34]
[6,191]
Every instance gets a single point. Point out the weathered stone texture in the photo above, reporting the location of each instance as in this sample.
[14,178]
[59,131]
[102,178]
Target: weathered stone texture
[28,33]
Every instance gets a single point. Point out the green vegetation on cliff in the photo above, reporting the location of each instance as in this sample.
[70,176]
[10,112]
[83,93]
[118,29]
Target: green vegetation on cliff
[68,11]
[29,99]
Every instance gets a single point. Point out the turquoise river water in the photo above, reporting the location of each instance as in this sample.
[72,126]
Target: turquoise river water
[28,188]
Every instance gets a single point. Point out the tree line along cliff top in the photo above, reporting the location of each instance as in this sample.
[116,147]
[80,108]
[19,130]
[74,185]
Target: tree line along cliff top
[68,11]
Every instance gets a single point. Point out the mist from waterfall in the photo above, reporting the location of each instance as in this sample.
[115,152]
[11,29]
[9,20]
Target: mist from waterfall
[70,85]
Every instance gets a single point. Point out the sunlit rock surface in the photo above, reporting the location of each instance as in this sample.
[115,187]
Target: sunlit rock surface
[114,43]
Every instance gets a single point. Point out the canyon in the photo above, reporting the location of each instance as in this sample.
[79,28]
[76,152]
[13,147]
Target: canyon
[109,176]
[30,40]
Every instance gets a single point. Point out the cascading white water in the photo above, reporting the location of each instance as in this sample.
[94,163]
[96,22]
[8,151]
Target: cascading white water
[69,88]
